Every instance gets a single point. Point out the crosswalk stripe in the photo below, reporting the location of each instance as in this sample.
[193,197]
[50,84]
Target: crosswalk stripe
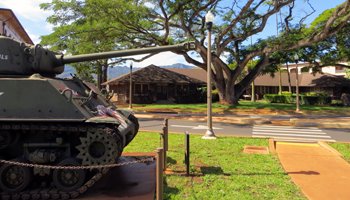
[280,128]
[287,131]
[292,127]
[290,133]
[295,138]
[300,135]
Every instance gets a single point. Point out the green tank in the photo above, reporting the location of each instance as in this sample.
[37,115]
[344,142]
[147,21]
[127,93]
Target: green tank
[47,121]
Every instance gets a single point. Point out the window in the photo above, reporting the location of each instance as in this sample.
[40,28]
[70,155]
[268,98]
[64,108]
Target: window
[144,89]
[137,88]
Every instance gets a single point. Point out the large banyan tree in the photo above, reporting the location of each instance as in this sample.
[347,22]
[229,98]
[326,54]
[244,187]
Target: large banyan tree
[139,23]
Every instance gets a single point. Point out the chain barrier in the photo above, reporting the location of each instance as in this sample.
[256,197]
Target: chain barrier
[75,167]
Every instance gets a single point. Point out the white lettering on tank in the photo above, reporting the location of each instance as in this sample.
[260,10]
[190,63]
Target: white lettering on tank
[4,57]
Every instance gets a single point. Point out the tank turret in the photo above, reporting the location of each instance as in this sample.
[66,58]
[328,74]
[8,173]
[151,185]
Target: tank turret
[48,122]
[23,59]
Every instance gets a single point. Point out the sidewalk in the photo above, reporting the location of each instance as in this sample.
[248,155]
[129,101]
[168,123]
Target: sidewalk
[318,170]
[320,121]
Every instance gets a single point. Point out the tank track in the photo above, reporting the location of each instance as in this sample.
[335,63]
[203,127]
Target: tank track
[51,192]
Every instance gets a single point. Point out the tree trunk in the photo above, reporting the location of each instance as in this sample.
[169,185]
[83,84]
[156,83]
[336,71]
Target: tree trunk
[99,76]
[226,92]
[104,73]
[253,92]
[280,81]
[229,90]
[289,83]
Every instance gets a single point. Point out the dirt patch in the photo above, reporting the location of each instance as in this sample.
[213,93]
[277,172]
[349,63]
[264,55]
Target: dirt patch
[255,150]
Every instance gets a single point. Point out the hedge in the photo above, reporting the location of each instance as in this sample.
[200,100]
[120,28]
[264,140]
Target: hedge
[280,98]
[305,99]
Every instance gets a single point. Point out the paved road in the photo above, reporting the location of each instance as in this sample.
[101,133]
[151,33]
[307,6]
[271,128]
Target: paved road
[304,133]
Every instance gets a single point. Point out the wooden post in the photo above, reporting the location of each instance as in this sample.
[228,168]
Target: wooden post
[159,172]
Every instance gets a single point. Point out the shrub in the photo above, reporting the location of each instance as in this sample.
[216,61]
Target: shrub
[275,98]
[203,94]
[311,98]
[215,95]
[337,103]
[316,98]
[316,94]
[286,93]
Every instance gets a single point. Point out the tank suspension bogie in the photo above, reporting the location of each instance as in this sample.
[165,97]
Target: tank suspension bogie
[68,180]
[98,144]
[14,178]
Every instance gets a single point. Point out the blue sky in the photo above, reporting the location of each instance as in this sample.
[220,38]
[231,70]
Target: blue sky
[33,20]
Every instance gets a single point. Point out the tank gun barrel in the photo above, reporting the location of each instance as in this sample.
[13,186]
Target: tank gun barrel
[18,58]
[120,53]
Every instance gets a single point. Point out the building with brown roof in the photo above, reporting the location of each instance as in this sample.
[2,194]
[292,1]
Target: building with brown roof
[154,84]
[333,84]
[11,27]
[196,73]
[308,82]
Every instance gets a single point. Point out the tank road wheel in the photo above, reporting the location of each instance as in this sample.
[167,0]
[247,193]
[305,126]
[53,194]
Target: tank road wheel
[68,180]
[14,178]
[98,147]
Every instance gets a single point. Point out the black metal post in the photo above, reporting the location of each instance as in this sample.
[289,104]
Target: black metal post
[187,153]
[166,132]
[165,142]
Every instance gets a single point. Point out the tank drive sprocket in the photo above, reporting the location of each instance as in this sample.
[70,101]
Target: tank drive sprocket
[98,147]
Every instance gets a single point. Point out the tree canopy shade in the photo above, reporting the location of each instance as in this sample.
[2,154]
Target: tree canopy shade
[139,23]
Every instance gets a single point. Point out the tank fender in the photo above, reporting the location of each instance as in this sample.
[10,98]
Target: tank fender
[103,120]
[126,113]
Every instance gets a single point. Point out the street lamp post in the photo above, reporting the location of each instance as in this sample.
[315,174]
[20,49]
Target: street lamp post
[130,88]
[296,59]
[209,134]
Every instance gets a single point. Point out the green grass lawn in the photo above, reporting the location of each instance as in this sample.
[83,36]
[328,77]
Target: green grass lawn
[219,169]
[343,148]
[242,106]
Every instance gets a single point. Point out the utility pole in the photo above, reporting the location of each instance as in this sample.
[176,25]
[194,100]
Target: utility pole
[130,88]
[296,59]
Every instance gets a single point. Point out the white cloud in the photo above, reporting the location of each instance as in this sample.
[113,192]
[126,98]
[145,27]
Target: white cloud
[166,58]
[32,18]
[27,9]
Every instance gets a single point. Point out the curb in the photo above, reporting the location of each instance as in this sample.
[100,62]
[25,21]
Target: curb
[297,122]
[329,148]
